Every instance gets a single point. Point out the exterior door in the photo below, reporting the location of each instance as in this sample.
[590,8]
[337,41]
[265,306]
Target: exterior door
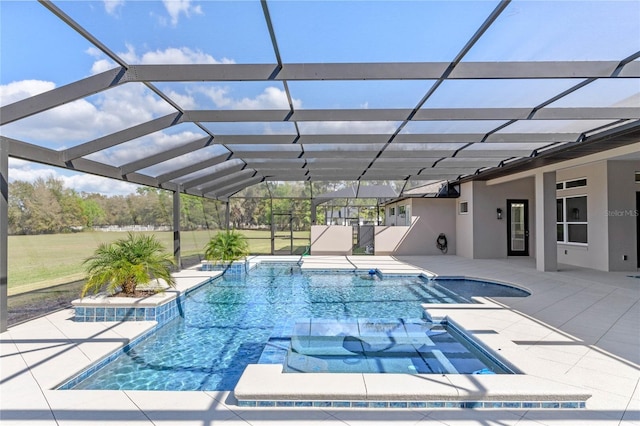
[517,227]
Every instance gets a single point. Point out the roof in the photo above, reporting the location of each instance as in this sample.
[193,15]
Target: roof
[320,91]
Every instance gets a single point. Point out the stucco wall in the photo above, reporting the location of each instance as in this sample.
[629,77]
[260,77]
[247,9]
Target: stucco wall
[621,214]
[388,238]
[596,253]
[464,222]
[430,217]
[480,235]
[331,240]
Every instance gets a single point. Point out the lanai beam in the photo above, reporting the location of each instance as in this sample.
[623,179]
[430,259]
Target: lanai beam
[381,71]
[218,171]
[122,136]
[193,168]
[60,96]
[163,156]
[221,182]
[421,114]
[29,152]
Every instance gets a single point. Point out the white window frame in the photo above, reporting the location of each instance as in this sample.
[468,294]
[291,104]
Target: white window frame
[565,223]
[466,209]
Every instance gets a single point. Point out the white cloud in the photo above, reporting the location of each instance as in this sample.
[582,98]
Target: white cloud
[217,94]
[102,65]
[113,110]
[18,90]
[171,55]
[92,184]
[184,101]
[113,6]
[29,172]
[145,146]
[82,121]
[177,7]
[270,98]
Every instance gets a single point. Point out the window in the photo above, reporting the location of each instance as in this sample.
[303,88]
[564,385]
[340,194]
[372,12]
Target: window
[571,216]
[578,183]
[575,183]
[401,210]
[463,207]
[637,177]
[392,211]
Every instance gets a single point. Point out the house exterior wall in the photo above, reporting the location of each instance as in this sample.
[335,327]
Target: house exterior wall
[397,219]
[621,214]
[490,235]
[611,220]
[480,235]
[430,217]
[464,221]
[595,254]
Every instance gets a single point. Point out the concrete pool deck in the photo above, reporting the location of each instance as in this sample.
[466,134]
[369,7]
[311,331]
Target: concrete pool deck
[583,325]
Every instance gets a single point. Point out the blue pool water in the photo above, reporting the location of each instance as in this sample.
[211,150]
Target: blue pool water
[366,345]
[227,323]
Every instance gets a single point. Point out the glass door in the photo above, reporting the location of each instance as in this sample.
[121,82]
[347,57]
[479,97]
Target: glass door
[517,228]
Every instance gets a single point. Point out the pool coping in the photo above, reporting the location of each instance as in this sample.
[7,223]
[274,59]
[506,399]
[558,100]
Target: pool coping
[266,385]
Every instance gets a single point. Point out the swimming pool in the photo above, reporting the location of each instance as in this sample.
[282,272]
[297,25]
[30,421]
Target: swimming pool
[364,345]
[226,324]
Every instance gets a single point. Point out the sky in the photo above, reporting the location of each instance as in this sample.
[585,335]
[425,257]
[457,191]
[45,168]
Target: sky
[38,53]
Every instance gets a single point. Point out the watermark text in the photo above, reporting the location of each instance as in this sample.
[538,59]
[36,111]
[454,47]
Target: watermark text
[623,213]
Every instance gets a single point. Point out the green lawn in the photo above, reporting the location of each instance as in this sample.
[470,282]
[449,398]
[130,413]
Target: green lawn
[39,261]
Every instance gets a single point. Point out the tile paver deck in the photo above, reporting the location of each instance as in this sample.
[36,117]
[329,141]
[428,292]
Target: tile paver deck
[583,325]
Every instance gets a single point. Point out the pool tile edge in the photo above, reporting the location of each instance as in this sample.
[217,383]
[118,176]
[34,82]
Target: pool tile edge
[264,385]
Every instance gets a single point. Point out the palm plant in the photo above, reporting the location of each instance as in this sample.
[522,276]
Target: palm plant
[127,263]
[226,247]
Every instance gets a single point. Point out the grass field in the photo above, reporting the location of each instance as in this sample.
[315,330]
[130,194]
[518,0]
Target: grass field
[40,261]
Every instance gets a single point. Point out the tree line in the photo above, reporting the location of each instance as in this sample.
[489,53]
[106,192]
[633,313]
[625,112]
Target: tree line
[46,206]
